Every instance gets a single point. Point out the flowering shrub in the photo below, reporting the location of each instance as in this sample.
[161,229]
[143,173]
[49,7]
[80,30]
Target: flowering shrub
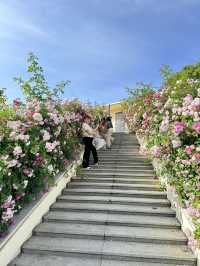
[38,138]
[169,121]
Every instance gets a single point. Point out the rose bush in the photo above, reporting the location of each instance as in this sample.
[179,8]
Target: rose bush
[38,139]
[169,121]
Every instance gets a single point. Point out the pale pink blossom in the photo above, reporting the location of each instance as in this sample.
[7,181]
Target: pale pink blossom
[12,163]
[8,214]
[50,146]
[14,125]
[198,186]
[188,99]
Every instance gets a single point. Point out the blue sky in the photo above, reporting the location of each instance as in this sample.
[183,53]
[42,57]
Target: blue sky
[102,46]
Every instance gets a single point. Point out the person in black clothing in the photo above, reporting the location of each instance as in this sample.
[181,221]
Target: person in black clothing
[88,135]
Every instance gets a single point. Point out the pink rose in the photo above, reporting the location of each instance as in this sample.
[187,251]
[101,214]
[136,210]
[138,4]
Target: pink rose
[198,186]
[157,95]
[156,151]
[26,172]
[178,127]
[189,149]
[196,127]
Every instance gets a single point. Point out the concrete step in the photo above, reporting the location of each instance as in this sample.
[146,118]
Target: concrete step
[114,161]
[119,153]
[116,250]
[122,167]
[125,163]
[116,200]
[115,180]
[121,186]
[113,208]
[125,145]
[115,192]
[116,174]
[114,233]
[123,159]
[115,150]
[119,170]
[43,260]
[112,219]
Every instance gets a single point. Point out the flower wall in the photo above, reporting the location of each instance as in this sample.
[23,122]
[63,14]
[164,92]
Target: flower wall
[169,122]
[39,137]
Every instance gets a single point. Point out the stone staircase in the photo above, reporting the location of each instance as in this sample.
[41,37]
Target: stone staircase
[110,215]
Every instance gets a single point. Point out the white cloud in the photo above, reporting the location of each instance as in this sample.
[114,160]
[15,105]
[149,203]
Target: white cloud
[13,23]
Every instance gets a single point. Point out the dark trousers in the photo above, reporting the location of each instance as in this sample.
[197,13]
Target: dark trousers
[88,148]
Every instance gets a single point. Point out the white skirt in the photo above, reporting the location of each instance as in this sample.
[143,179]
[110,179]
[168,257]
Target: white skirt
[99,143]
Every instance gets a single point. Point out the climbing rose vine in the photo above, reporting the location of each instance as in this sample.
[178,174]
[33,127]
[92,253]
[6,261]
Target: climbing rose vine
[38,139]
[169,122]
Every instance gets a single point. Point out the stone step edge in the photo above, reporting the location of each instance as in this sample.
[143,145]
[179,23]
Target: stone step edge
[100,201]
[111,256]
[112,223]
[93,210]
[101,192]
[123,238]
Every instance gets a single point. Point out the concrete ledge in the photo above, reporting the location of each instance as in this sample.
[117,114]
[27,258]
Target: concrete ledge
[183,217]
[10,247]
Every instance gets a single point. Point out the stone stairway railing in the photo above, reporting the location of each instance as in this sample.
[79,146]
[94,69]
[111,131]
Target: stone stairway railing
[113,214]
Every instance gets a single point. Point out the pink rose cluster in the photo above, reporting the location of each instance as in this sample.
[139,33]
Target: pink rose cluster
[156,151]
[179,127]
[8,209]
[50,146]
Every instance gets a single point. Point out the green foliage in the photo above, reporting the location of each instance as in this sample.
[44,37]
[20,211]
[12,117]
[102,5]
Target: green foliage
[139,90]
[36,86]
[166,73]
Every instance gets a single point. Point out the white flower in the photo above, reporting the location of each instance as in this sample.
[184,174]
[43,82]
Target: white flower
[198,92]
[46,135]
[25,183]
[37,117]
[15,186]
[57,133]
[17,151]
[23,137]
[50,168]
[176,143]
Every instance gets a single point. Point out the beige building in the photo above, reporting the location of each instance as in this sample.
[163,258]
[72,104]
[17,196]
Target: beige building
[116,112]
